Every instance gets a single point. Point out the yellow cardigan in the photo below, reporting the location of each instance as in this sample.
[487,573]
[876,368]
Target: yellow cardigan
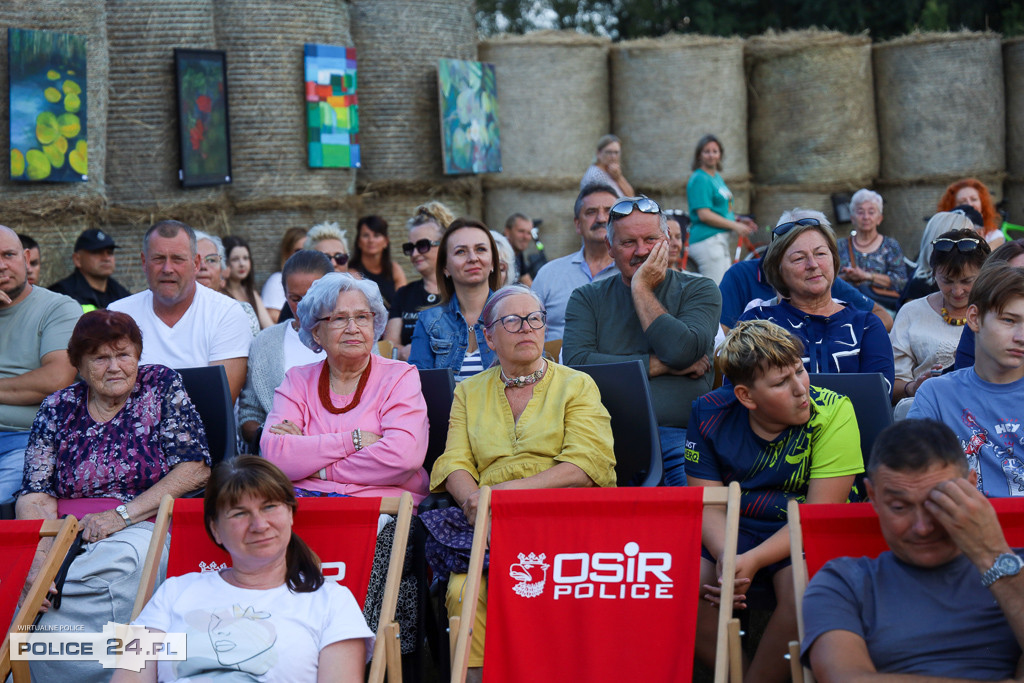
[563,422]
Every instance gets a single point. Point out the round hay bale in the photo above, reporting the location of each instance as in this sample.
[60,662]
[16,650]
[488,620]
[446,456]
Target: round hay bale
[552,103]
[143,161]
[1013,68]
[264,43]
[811,108]
[398,44]
[940,105]
[768,202]
[657,115]
[25,200]
[554,207]
[1014,194]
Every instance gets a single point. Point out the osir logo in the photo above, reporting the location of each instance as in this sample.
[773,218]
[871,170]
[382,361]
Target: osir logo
[629,574]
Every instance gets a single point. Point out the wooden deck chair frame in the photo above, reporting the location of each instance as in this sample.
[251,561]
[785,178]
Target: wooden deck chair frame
[800,673]
[63,532]
[387,650]
[728,660]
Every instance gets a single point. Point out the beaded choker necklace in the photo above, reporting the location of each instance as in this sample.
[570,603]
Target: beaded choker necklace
[957,322]
[324,390]
[523,380]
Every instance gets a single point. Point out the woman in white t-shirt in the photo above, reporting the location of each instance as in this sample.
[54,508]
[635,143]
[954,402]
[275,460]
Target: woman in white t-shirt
[270,616]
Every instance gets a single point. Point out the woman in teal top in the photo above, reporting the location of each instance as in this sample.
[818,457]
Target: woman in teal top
[711,216]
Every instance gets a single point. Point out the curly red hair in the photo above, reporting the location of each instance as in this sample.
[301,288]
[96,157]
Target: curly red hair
[988,208]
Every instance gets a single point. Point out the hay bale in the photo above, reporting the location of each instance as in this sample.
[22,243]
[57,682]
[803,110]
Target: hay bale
[143,161]
[768,202]
[1014,194]
[940,105]
[811,107]
[25,201]
[558,233]
[264,44]
[657,112]
[1013,68]
[552,103]
[398,44]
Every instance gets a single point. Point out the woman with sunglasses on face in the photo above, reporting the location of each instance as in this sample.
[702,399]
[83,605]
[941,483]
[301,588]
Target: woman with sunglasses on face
[451,335]
[329,239]
[525,423]
[926,331]
[801,264]
[371,257]
[425,230]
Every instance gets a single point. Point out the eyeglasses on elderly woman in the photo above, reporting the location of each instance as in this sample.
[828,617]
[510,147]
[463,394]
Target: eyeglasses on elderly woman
[964,244]
[625,206]
[340,322]
[783,228]
[514,323]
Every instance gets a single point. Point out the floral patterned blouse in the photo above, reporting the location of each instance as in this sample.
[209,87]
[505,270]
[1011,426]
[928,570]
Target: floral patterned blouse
[887,260]
[70,455]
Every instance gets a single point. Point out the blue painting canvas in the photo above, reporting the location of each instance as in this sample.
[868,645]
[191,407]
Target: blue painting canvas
[48,106]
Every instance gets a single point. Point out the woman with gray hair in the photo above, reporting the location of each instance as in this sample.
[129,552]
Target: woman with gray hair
[508,270]
[801,264]
[356,423]
[607,167]
[868,260]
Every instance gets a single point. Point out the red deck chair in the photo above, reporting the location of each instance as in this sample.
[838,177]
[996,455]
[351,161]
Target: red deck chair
[341,531]
[19,540]
[582,579]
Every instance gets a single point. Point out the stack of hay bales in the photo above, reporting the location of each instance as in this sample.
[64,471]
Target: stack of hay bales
[273,188]
[55,213]
[552,108]
[940,118]
[668,93]
[1013,68]
[812,120]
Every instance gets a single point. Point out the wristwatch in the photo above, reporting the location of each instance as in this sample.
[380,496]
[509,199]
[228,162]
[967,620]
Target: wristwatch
[1007,564]
[122,510]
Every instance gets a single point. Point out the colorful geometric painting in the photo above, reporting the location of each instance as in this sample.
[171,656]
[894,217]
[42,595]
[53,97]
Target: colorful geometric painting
[204,137]
[332,106]
[469,117]
[48,105]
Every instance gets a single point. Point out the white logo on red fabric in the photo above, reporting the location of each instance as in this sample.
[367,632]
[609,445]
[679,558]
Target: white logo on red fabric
[531,572]
[212,567]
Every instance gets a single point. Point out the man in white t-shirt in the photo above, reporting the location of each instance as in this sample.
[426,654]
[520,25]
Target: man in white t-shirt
[184,325]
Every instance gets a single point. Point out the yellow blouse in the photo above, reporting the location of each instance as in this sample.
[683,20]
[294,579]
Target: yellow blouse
[563,422]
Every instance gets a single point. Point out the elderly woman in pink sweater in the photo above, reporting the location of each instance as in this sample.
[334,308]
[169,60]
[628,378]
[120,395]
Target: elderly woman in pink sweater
[356,423]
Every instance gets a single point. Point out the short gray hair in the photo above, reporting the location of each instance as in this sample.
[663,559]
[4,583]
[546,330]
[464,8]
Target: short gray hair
[865,195]
[323,295]
[507,255]
[169,229]
[490,312]
[217,242]
[610,229]
[325,231]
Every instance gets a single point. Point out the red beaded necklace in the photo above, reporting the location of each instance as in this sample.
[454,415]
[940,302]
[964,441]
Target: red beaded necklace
[324,389]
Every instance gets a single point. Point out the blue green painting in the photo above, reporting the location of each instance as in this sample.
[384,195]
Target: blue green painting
[469,117]
[48,105]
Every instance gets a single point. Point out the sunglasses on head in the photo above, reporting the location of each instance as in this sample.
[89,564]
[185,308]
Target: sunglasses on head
[422,246]
[783,228]
[340,259]
[625,206]
[964,244]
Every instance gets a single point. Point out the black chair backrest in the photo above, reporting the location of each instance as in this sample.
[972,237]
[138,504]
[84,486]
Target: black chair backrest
[626,395]
[438,387]
[870,397]
[208,388]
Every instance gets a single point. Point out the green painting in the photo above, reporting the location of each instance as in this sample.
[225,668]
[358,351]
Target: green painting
[203,117]
[48,105]
[468,96]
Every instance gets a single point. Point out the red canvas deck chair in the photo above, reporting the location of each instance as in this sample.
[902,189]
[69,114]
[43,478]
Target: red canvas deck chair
[18,542]
[587,581]
[341,531]
[819,533]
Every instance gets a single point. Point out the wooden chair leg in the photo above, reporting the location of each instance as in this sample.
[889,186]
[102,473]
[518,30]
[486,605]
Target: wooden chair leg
[796,671]
[393,649]
[735,652]
[453,636]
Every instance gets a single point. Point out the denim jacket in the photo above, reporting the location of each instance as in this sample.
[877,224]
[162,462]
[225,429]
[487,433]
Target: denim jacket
[442,337]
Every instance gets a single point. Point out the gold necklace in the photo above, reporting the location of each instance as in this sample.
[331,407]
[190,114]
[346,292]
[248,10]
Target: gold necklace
[956,322]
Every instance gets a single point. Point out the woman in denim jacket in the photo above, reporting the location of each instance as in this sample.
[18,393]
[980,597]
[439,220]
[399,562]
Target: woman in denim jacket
[450,335]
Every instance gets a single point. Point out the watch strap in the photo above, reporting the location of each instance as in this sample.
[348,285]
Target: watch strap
[123,511]
[1007,564]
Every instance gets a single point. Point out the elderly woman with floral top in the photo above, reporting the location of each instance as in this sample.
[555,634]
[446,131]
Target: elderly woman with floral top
[106,450]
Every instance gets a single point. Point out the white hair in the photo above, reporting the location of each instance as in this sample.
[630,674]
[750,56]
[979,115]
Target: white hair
[507,255]
[322,297]
[325,231]
[865,195]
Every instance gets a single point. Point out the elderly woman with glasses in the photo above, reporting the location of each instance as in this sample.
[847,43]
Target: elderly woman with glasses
[801,264]
[354,424]
[526,423]
[868,260]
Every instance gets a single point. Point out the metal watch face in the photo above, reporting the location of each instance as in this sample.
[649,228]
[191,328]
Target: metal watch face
[1009,565]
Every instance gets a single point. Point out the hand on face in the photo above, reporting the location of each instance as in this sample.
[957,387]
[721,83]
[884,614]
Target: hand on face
[652,270]
[969,519]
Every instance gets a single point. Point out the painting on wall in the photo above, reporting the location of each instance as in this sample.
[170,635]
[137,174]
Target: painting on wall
[332,106]
[48,104]
[468,96]
[204,137]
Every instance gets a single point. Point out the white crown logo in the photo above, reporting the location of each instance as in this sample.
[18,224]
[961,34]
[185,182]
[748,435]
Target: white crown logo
[212,567]
[531,572]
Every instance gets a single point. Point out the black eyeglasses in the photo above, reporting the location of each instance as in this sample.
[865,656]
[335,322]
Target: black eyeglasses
[625,206]
[422,246]
[514,323]
[964,244]
[782,229]
[340,258]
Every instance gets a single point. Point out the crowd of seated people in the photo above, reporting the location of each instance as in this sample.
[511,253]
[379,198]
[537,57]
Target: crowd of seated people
[316,399]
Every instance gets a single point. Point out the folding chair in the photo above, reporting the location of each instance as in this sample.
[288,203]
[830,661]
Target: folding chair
[821,532]
[572,570]
[626,395]
[19,540]
[341,531]
[208,388]
[870,397]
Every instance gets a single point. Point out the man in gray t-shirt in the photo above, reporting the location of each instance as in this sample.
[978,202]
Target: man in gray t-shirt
[946,599]
[35,326]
